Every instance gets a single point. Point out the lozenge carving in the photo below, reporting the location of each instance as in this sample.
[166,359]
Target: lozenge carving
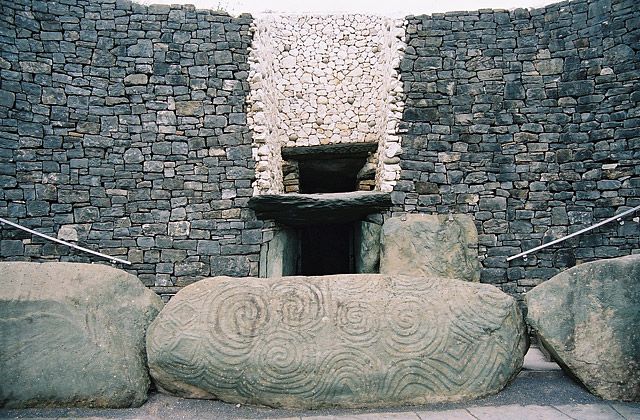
[344,340]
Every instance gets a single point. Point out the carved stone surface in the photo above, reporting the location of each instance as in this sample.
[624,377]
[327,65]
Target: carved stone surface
[368,247]
[347,340]
[588,317]
[73,335]
[308,209]
[430,245]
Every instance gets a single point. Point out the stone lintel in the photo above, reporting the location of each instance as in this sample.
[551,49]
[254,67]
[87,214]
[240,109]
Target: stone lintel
[327,151]
[310,209]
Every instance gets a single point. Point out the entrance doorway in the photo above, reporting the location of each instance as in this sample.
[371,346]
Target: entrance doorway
[326,249]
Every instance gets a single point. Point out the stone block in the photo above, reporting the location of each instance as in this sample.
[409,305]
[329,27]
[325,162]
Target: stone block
[73,335]
[7,99]
[206,247]
[367,247]
[166,118]
[73,196]
[136,79]
[186,268]
[339,341]
[37,208]
[493,204]
[11,248]
[53,96]
[143,48]
[550,66]
[576,88]
[232,265]
[189,108]
[35,67]
[30,129]
[133,155]
[179,228]
[427,63]
[514,90]
[86,214]
[588,317]
[430,245]
[222,57]
[215,121]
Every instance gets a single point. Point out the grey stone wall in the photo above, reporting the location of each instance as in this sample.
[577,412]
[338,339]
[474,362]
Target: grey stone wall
[124,127]
[530,121]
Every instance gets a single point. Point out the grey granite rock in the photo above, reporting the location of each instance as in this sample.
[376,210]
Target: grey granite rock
[336,341]
[430,245]
[73,335]
[305,209]
[588,318]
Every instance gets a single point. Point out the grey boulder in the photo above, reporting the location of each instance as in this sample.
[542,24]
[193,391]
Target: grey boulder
[430,245]
[352,340]
[73,335]
[588,317]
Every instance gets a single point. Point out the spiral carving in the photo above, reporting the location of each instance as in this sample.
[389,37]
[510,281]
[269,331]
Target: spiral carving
[300,306]
[280,361]
[357,321]
[350,341]
[408,331]
[238,315]
[233,317]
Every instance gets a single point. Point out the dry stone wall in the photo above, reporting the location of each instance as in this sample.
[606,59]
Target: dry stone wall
[123,127]
[528,120]
[325,80]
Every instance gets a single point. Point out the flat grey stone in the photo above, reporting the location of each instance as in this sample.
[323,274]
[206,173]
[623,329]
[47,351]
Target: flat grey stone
[520,412]
[143,48]
[368,416]
[190,108]
[326,151]
[136,79]
[307,209]
[588,317]
[368,247]
[430,245]
[589,411]
[460,414]
[550,66]
[336,341]
[73,335]
[627,411]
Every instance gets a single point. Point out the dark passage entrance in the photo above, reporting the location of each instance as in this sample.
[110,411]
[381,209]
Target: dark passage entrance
[326,249]
[330,175]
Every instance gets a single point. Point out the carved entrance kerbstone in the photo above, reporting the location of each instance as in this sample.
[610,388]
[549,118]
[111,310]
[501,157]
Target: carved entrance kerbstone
[336,341]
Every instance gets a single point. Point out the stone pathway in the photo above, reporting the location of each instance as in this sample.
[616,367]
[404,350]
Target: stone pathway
[541,391]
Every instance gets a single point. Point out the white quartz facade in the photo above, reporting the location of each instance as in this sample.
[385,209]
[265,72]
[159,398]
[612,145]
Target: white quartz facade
[324,80]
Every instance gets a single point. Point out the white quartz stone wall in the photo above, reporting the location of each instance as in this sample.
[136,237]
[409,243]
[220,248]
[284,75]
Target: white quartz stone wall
[263,115]
[325,80]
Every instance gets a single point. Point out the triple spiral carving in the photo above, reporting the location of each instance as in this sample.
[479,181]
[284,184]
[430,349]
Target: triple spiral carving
[323,341]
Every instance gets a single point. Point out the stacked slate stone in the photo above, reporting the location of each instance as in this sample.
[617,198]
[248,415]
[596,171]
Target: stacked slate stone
[529,121]
[124,128]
